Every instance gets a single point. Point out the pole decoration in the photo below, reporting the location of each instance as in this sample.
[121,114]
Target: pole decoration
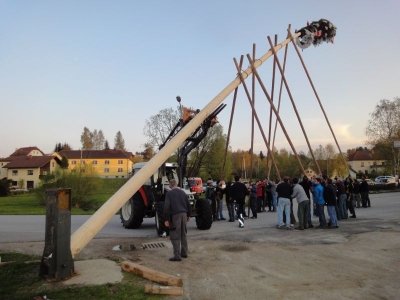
[315,33]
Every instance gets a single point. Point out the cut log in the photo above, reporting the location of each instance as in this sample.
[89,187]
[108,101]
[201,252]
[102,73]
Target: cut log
[163,290]
[151,274]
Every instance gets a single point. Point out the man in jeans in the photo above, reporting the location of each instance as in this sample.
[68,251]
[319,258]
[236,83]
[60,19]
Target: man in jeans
[319,201]
[303,204]
[177,213]
[284,190]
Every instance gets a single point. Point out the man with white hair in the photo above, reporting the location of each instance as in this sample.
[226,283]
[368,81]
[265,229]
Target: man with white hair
[177,213]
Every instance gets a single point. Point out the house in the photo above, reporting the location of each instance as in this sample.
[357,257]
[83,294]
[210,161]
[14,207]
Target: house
[363,161]
[104,163]
[26,166]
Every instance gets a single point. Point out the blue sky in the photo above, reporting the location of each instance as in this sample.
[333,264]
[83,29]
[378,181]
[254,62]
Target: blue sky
[110,65]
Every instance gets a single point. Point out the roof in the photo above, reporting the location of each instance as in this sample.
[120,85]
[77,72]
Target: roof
[25,151]
[360,154]
[95,154]
[24,162]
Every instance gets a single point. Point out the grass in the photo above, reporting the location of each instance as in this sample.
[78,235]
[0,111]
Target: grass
[29,204]
[20,280]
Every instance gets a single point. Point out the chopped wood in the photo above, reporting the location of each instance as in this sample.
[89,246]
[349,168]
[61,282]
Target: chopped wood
[151,274]
[163,290]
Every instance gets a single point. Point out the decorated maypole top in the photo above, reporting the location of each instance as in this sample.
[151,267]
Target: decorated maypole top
[315,33]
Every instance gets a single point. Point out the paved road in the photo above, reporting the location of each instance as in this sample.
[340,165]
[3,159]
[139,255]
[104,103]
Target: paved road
[385,207]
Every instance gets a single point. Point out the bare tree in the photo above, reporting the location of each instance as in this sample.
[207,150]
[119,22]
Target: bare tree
[98,140]
[87,139]
[159,126]
[384,127]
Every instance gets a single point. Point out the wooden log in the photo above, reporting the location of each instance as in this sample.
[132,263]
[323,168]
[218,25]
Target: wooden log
[151,274]
[163,290]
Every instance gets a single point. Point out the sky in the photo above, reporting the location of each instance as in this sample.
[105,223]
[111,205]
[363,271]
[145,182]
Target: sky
[111,65]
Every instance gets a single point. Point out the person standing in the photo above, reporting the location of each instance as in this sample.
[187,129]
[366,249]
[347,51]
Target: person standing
[303,204]
[238,192]
[220,191]
[330,198]
[356,194]
[211,197]
[284,190]
[176,213]
[253,200]
[364,191]
[230,202]
[306,184]
[318,190]
[341,197]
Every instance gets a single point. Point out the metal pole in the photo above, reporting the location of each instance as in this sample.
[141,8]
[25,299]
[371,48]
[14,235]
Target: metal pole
[294,105]
[318,99]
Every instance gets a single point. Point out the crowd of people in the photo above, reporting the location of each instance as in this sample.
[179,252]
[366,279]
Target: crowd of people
[316,196]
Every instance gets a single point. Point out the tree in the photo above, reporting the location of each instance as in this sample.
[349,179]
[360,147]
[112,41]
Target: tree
[87,139]
[106,145]
[59,147]
[148,152]
[384,128]
[159,126]
[119,142]
[98,140]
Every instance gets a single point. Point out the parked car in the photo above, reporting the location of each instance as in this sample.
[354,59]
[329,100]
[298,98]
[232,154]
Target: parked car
[385,179]
[370,181]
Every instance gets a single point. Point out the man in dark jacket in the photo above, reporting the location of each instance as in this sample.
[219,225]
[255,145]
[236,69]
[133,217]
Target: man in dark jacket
[177,213]
[284,190]
[330,198]
[364,191]
[238,192]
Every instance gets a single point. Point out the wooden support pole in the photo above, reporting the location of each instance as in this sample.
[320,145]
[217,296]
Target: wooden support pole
[253,100]
[84,234]
[277,115]
[317,96]
[256,117]
[150,274]
[294,107]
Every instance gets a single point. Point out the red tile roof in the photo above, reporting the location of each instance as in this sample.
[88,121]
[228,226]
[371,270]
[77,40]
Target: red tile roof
[95,154]
[360,154]
[25,151]
[23,162]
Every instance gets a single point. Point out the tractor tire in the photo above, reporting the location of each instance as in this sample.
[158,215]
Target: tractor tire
[159,218]
[132,212]
[204,214]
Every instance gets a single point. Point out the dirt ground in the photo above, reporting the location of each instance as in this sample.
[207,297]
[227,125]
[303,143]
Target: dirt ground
[360,260]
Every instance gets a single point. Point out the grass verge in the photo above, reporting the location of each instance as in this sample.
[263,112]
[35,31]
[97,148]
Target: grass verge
[20,280]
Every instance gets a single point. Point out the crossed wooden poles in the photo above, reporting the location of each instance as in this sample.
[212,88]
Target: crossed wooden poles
[82,236]
[273,109]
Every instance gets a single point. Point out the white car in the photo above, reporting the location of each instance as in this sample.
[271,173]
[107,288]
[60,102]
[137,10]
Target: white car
[385,179]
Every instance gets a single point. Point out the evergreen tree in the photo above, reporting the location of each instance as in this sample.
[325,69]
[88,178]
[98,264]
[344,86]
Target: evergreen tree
[119,142]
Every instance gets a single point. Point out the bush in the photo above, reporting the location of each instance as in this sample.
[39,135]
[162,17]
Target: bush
[81,183]
[4,187]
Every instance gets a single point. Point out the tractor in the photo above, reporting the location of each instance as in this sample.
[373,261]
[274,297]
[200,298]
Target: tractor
[148,201]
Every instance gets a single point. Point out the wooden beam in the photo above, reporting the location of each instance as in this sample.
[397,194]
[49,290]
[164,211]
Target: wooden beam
[151,274]
[163,290]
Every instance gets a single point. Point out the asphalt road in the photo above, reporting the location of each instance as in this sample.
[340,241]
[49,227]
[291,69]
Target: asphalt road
[385,207]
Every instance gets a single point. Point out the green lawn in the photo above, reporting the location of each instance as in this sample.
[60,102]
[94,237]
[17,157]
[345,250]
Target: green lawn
[29,204]
[20,280]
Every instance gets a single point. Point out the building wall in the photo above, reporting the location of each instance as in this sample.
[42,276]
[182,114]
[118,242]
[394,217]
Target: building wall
[29,174]
[367,165]
[103,167]
[3,171]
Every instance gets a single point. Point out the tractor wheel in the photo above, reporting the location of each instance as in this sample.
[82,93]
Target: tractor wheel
[160,227]
[204,214]
[132,212]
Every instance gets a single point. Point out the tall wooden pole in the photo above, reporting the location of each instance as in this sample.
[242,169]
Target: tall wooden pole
[318,99]
[253,100]
[84,234]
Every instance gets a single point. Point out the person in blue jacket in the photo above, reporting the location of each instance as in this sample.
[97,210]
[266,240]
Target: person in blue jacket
[318,193]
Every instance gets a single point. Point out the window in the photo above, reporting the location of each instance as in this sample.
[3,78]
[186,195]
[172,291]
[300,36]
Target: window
[73,162]
[120,170]
[120,161]
[106,170]
[362,164]
[106,162]
[14,172]
[52,164]
[94,162]
[30,172]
